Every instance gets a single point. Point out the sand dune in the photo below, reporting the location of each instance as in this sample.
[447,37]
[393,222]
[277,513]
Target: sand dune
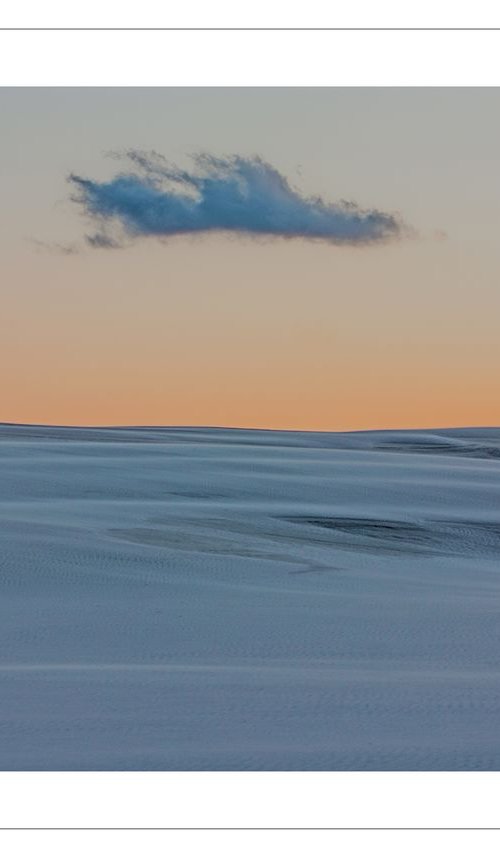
[190,598]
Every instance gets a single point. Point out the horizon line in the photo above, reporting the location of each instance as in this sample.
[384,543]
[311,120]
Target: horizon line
[182,427]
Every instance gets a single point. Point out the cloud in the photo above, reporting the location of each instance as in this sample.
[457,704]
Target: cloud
[233,194]
[102,241]
[54,247]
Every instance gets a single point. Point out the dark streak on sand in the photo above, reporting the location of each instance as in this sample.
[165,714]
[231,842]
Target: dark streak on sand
[480,538]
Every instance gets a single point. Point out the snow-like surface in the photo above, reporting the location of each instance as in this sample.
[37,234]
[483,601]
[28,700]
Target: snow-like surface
[225,599]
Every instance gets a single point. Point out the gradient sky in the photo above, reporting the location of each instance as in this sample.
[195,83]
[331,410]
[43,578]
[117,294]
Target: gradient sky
[228,330]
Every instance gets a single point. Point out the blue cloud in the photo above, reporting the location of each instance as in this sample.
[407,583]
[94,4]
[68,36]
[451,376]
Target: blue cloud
[234,194]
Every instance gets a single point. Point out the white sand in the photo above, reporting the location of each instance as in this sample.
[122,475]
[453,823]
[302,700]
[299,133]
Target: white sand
[224,599]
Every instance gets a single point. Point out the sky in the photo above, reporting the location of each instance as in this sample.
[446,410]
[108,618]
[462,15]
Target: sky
[187,257]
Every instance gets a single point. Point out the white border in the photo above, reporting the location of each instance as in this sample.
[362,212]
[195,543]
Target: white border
[259,13]
[227,58]
[249,843]
[246,799]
